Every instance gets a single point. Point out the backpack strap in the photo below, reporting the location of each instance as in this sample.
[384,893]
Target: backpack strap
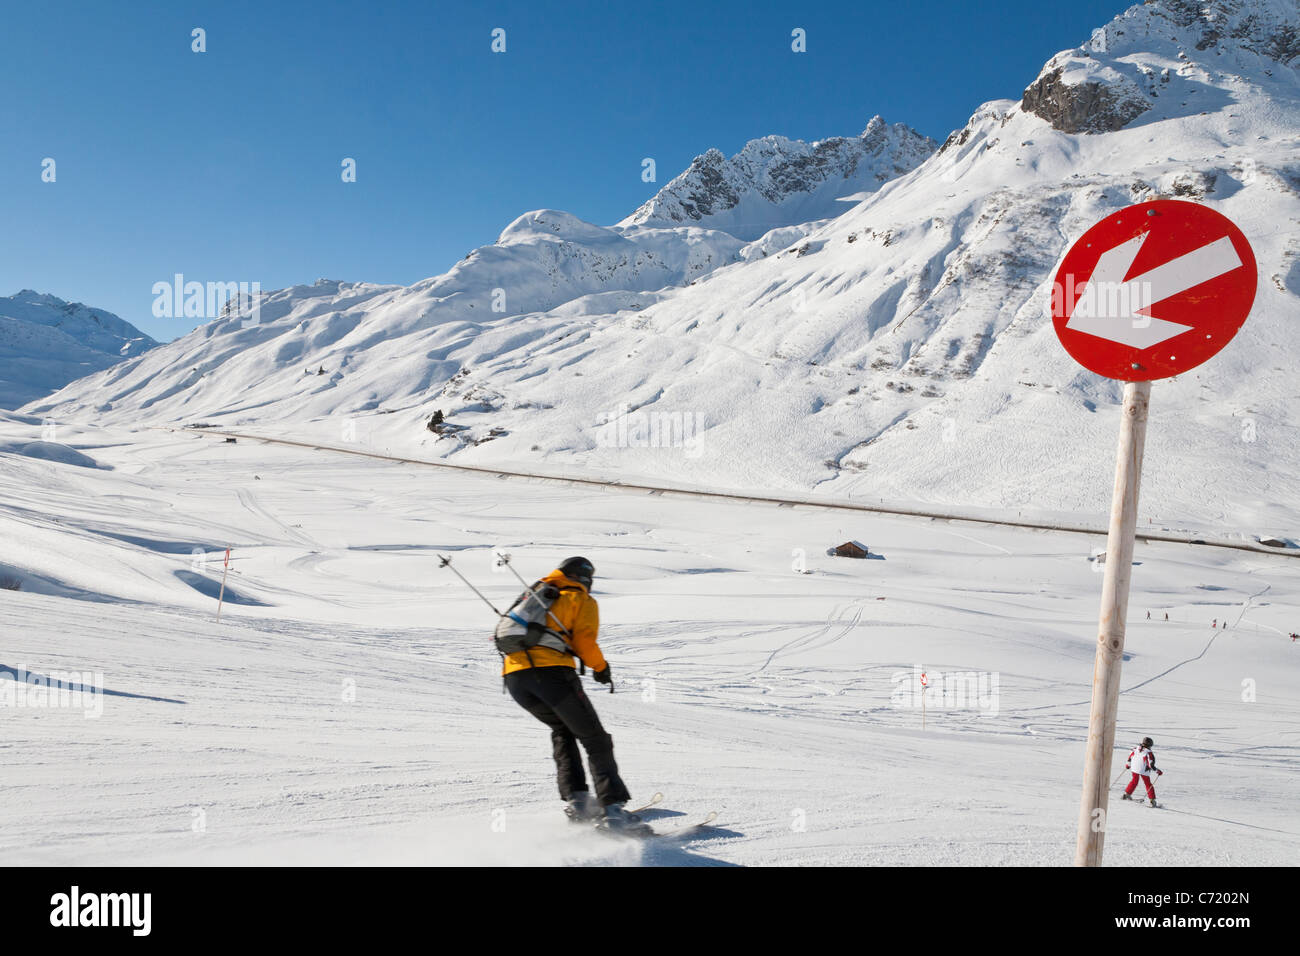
[563,635]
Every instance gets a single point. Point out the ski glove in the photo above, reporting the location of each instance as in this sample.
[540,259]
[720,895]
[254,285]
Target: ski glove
[602,677]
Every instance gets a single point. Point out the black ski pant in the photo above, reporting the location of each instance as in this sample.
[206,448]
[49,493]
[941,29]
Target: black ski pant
[554,695]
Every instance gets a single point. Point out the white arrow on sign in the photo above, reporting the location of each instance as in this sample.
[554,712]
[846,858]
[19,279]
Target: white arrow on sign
[1114,309]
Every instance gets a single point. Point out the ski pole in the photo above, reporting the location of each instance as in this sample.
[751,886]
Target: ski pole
[504,559]
[445,562]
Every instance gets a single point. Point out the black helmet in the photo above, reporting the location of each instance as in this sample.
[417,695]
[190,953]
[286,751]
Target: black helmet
[1148,742]
[578,569]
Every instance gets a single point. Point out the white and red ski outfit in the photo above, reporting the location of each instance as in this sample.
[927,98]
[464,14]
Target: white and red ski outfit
[1142,761]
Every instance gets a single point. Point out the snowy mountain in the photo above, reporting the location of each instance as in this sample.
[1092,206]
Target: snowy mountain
[45,343]
[776,182]
[900,350]
[545,262]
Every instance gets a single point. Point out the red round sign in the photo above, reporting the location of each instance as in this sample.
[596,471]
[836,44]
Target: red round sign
[1153,290]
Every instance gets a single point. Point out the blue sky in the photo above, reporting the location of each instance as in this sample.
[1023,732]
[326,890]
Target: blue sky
[225,165]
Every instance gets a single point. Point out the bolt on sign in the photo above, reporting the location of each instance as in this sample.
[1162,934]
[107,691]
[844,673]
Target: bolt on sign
[1149,292]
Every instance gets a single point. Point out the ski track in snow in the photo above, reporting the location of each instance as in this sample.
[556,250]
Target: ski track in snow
[750,689]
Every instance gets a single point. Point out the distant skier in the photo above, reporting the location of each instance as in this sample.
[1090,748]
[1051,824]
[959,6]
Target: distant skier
[1148,615]
[1166,615]
[1142,762]
[544,681]
[1214,623]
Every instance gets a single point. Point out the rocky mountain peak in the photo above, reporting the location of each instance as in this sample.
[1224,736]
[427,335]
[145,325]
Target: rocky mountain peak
[744,194]
[1122,71]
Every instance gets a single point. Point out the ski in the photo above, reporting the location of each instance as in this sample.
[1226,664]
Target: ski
[1143,802]
[643,831]
[688,829]
[639,831]
[656,799]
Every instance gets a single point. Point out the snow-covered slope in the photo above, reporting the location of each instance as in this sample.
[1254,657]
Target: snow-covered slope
[45,343]
[775,181]
[900,350]
[348,707]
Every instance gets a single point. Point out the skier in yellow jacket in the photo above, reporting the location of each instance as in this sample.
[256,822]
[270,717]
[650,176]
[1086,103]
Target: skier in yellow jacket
[544,681]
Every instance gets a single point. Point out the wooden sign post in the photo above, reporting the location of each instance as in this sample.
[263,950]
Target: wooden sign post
[1114,613]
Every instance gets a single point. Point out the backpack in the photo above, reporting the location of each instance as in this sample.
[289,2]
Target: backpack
[529,623]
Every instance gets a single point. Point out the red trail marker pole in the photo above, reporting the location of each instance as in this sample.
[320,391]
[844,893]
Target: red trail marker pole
[221,596]
[924,684]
